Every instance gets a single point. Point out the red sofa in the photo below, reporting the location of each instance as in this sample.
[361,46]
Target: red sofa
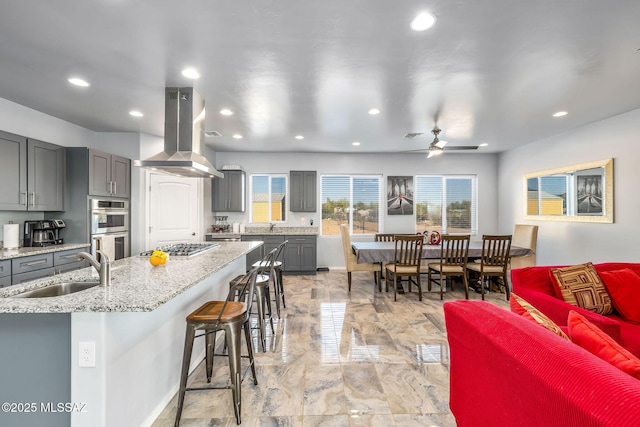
[509,371]
[535,286]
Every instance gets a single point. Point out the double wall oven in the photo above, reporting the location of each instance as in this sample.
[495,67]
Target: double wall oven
[109,222]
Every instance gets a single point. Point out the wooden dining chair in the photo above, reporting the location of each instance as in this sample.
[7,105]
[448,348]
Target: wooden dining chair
[351,262]
[454,253]
[406,263]
[494,261]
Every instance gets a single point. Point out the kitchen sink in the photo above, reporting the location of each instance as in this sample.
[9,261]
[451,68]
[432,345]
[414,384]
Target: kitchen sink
[60,289]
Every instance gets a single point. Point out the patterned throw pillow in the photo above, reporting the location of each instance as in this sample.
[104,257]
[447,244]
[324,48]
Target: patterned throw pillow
[526,310]
[581,286]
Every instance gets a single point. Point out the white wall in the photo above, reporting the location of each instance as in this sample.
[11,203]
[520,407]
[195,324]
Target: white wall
[24,121]
[329,248]
[575,242]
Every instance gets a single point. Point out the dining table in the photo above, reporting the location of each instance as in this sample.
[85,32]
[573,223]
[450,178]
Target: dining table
[385,251]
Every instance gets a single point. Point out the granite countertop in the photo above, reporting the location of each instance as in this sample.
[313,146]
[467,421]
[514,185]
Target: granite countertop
[22,252]
[136,285]
[277,230]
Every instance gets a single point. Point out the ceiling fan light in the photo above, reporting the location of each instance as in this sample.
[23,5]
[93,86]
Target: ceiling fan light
[423,22]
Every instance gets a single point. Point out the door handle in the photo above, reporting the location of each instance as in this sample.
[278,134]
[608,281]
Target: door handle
[193,234]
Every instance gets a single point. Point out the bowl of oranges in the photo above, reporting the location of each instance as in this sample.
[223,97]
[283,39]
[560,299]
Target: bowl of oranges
[158,257]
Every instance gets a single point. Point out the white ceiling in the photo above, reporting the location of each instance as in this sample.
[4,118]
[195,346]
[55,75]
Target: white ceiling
[490,71]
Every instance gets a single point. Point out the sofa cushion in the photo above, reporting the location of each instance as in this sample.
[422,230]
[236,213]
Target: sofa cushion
[522,308]
[591,338]
[624,288]
[580,285]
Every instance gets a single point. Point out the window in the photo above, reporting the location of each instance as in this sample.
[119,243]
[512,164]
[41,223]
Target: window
[268,198]
[353,200]
[447,204]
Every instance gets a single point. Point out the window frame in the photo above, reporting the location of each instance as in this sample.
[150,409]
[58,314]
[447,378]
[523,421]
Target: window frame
[444,178]
[381,210]
[270,176]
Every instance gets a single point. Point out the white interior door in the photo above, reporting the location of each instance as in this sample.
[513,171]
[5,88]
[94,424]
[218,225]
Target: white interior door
[175,209]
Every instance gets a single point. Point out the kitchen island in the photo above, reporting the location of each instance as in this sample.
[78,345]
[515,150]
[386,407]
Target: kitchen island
[137,326]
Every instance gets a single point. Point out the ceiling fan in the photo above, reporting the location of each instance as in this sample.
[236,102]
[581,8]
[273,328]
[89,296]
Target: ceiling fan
[437,146]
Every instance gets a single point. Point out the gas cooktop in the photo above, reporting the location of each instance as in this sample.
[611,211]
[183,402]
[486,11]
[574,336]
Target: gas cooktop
[184,249]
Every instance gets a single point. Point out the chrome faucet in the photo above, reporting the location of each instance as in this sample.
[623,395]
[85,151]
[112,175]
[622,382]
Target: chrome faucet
[103,268]
[271,225]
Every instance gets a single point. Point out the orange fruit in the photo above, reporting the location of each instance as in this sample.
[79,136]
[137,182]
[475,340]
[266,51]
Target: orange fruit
[155,260]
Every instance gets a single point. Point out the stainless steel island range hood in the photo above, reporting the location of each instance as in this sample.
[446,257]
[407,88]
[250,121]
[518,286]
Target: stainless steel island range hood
[183,137]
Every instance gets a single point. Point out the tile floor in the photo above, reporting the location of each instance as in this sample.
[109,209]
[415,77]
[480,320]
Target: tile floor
[340,359]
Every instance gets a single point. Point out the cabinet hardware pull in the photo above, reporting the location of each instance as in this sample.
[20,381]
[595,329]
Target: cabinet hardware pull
[115,187]
[33,199]
[26,198]
[31,264]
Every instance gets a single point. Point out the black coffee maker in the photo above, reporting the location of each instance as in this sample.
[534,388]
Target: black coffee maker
[43,233]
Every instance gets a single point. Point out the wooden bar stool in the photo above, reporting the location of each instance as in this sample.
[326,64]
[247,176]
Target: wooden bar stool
[262,293]
[228,316]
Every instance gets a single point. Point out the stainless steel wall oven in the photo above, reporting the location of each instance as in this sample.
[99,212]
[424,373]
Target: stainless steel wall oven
[110,227]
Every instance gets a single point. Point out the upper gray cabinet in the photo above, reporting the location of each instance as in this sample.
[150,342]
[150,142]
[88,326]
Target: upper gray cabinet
[32,173]
[302,191]
[228,193]
[109,175]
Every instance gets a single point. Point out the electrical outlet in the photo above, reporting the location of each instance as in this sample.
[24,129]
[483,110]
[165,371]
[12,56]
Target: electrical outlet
[87,354]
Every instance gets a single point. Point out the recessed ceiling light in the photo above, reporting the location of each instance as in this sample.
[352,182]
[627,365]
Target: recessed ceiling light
[560,114]
[78,82]
[136,113]
[237,136]
[299,137]
[355,143]
[423,21]
[484,144]
[226,112]
[374,111]
[191,73]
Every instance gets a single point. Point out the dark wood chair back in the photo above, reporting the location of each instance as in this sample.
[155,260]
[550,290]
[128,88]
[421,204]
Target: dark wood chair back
[408,250]
[454,250]
[495,250]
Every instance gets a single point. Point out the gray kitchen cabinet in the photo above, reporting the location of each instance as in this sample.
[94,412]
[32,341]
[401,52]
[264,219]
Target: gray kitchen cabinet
[64,261]
[45,176]
[32,173]
[109,175]
[228,194]
[300,254]
[33,267]
[302,191]
[5,272]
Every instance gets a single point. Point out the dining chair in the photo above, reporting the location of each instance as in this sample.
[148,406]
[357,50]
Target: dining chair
[494,260]
[454,252]
[406,263]
[351,262]
[524,236]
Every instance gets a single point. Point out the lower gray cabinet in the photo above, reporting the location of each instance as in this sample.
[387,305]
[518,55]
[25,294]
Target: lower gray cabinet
[5,272]
[300,254]
[33,267]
